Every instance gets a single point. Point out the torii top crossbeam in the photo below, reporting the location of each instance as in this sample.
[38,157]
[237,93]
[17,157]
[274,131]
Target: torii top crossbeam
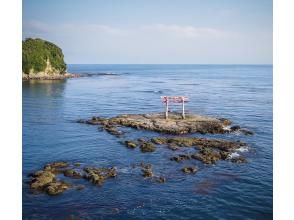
[174,99]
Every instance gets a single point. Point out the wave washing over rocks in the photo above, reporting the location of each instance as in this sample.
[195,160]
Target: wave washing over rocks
[55,177]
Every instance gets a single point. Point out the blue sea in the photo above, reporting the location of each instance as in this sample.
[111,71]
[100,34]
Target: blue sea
[242,93]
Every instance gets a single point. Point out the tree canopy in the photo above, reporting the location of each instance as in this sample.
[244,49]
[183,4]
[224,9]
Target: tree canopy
[37,53]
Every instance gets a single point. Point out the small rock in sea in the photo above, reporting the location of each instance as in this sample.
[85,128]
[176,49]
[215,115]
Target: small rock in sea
[246,131]
[40,179]
[207,156]
[147,170]
[160,179]
[147,147]
[72,173]
[56,188]
[239,160]
[190,169]
[130,144]
[235,128]
[115,210]
[181,157]
[77,164]
[56,166]
[173,147]
[99,175]
[79,187]
[141,140]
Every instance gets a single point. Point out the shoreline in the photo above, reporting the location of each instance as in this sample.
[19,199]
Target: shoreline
[26,77]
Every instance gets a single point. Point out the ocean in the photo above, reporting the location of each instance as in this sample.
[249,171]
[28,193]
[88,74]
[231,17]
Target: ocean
[241,93]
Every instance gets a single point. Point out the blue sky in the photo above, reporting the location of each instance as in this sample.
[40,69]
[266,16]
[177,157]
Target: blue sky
[154,31]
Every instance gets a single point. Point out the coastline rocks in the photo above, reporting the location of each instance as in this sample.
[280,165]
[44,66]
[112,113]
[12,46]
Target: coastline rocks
[46,180]
[46,76]
[157,122]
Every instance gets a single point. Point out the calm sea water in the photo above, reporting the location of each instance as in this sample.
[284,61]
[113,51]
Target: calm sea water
[242,93]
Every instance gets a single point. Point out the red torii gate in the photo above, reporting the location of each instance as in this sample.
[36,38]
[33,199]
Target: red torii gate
[174,99]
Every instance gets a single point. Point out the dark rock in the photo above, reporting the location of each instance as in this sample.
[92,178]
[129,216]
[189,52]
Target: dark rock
[235,128]
[41,179]
[147,147]
[190,169]
[207,156]
[79,187]
[246,131]
[160,179]
[239,160]
[55,188]
[77,164]
[146,169]
[72,173]
[99,175]
[181,157]
[173,147]
[131,144]
[225,121]
[56,167]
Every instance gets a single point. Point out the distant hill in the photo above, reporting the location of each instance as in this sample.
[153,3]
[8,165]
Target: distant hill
[42,57]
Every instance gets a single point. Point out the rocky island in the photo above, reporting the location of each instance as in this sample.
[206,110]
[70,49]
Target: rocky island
[42,59]
[173,125]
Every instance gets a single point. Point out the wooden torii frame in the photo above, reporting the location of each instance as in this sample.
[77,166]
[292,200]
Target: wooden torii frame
[174,99]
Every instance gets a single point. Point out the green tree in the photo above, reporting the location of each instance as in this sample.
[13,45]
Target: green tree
[37,52]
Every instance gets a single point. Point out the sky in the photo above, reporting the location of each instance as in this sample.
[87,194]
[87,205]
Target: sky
[154,31]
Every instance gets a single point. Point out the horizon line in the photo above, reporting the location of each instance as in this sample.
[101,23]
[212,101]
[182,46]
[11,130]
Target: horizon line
[268,64]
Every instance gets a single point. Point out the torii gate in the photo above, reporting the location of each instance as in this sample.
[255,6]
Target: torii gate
[174,99]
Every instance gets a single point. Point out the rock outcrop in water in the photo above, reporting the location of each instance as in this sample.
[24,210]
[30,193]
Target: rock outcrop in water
[46,180]
[157,122]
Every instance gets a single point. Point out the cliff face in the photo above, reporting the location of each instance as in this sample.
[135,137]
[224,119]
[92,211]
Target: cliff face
[40,57]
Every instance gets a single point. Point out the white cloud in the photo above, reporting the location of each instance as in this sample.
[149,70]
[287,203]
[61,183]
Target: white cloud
[156,43]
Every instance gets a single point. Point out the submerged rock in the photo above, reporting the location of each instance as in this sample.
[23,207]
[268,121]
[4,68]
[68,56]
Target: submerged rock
[147,147]
[99,175]
[181,157]
[160,179]
[190,169]
[56,167]
[130,144]
[72,173]
[147,170]
[239,159]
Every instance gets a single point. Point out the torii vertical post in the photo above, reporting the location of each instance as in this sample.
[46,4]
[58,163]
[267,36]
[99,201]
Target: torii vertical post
[166,109]
[183,108]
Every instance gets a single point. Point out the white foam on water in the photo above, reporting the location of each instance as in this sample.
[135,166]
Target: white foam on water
[234,155]
[123,170]
[227,128]
[243,149]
